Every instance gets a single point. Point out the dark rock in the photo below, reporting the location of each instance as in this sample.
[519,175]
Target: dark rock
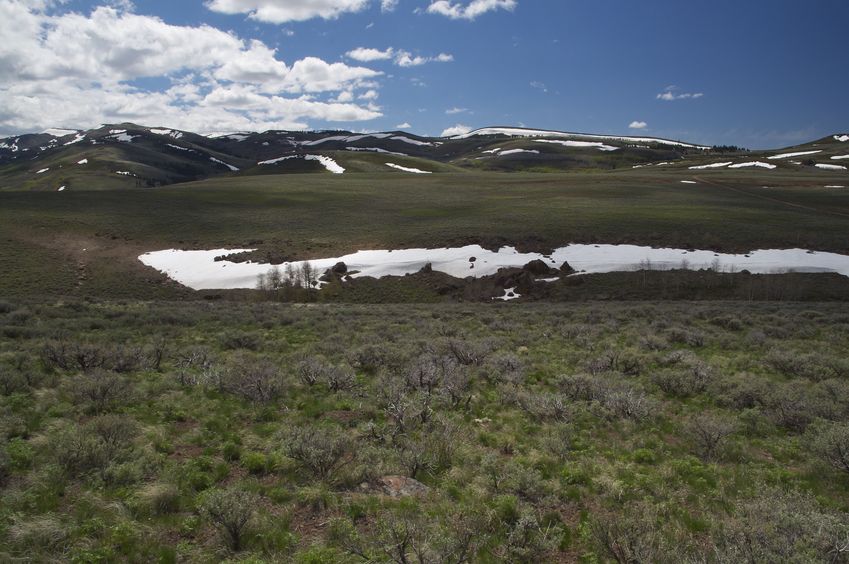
[339,268]
[538,268]
[426,268]
[473,259]
[566,268]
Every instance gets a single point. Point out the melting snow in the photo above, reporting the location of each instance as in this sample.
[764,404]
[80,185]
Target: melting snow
[509,294]
[59,132]
[754,163]
[835,186]
[61,188]
[492,151]
[42,171]
[582,144]
[375,150]
[516,152]
[519,132]
[831,167]
[347,138]
[688,182]
[169,132]
[231,167]
[200,270]
[123,137]
[714,165]
[405,169]
[412,141]
[277,160]
[124,173]
[82,162]
[77,138]
[840,157]
[799,154]
[841,138]
[327,162]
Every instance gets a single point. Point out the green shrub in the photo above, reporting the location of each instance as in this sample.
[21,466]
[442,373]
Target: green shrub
[231,511]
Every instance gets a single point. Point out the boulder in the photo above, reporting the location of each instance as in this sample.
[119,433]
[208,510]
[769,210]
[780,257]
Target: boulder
[401,486]
[566,268]
[339,268]
[538,268]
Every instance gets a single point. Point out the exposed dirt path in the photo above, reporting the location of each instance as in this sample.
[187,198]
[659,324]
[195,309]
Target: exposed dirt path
[771,199]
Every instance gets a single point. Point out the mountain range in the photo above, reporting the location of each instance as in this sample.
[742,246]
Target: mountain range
[133,156]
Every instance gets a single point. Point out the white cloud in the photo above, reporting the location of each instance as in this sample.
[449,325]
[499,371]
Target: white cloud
[369,95]
[388,5]
[280,11]
[400,57]
[453,111]
[638,125]
[74,70]
[366,54]
[405,125]
[458,129]
[671,93]
[539,85]
[470,11]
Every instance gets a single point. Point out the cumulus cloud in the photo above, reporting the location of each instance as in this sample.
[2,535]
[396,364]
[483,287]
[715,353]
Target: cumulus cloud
[673,93]
[388,5]
[74,70]
[281,11]
[638,125]
[399,57]
[367,55]
[455,110]
[458,129]
[471,10]
[405,125]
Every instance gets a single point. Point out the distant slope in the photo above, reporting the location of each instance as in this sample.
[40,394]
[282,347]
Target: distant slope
[130,156]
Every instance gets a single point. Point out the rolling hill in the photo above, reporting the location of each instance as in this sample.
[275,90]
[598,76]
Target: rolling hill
[133,156]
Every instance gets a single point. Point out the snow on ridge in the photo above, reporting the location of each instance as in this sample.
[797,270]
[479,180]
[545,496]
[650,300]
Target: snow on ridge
[581,144]
[346,138]
[123,137]
[841,138]
[167,132]
[517,151]
[60,132]
[326,162]
[406,169]
[231,167]
[376,150]
[277,160]
[754,163]
[799,154]
[79,137]
[520,132]
[830,167]
[713,165]
[412,141]
[491,151]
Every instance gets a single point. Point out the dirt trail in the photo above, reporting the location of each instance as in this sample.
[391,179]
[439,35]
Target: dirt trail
[771,199]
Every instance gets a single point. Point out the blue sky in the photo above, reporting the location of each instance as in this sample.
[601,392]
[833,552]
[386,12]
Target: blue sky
[759,73]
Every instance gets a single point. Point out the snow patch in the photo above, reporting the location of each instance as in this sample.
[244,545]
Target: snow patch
[580,144]
[61,188]
[376,150]
[277,160]
[758,164]
[841,138]
[169,132]
[830,167]
[231,167]
[713,165]
[123,137]
[77,138]
[509,294]
[799,154]
[405,169]
[520,132]
[327,163]
[42,171]
[835,186]
[688,182]
[59,132]
[200,270]
[517,151]
[839,157]
[491,151]
[82,162]
[124,173]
